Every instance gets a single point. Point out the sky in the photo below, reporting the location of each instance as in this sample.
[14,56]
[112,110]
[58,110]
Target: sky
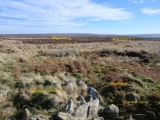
[80,16]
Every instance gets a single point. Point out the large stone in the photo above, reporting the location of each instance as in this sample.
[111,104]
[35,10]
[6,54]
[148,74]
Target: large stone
[70,107]
[94,93]
[93,109]
[64,116]
[81,112]
[87,111]
[3,95]
[113,110]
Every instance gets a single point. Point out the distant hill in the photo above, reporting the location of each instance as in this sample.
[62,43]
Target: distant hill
[84,34]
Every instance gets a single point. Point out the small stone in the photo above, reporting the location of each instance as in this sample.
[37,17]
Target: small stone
[100,118]
[64,116]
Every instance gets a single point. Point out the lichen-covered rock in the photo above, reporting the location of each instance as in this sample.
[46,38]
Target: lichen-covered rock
[64,116]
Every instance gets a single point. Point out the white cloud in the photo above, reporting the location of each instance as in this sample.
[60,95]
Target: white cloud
[137,1]
[57,12]
[150,11]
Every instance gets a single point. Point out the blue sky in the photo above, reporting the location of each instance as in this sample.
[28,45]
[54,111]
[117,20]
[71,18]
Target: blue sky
[80,16]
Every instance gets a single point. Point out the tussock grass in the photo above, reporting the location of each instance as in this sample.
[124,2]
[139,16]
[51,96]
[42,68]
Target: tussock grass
[62,52]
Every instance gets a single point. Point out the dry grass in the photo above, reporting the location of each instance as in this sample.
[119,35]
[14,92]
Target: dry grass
[98,66]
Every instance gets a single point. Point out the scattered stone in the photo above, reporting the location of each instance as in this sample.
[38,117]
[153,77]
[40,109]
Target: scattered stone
[112,110]
[64,116]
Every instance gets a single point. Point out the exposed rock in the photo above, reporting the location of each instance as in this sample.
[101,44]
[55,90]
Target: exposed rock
[139,116]
[112,110]
[3,95]
[64,116]
[87,111]
[93,109]
[81,112]
[89,98]
[26,114]
[70,107]
[81,100]
[93,92]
